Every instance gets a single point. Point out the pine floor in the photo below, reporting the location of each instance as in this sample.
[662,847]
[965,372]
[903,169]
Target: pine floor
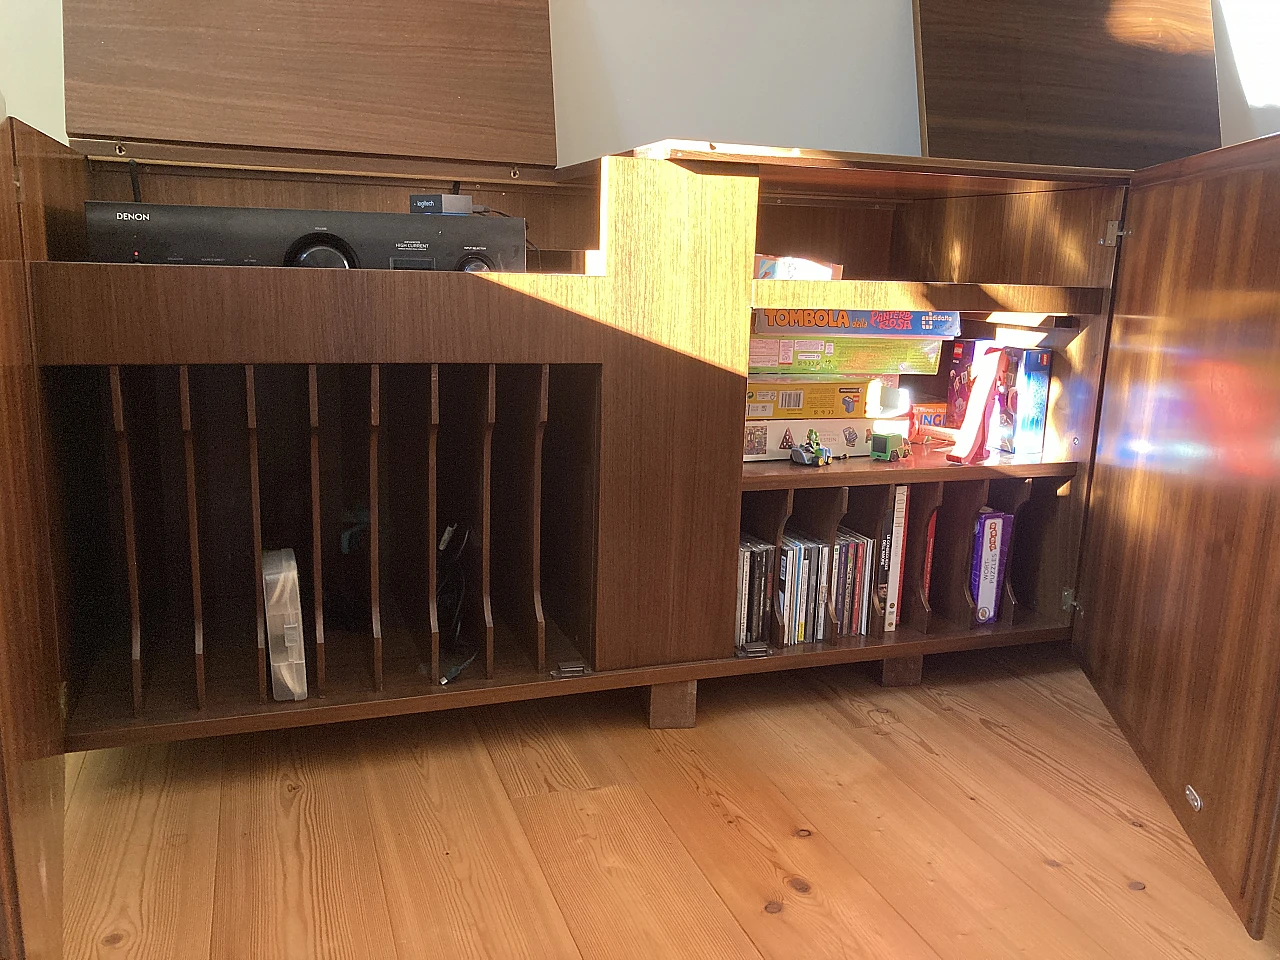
[993,812]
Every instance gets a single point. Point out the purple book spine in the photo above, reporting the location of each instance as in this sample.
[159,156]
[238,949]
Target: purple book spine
[986,575]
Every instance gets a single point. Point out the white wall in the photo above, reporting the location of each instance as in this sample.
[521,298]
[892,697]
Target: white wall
[1246,37]
[31,85]
[822,74]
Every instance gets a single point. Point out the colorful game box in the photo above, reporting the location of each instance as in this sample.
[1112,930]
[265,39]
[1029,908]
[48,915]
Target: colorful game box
[960,377]
[929,324]
[926,416]
[1023,401]
[809,398]
[844,355]
[795,268]
[990,551]
[773,439]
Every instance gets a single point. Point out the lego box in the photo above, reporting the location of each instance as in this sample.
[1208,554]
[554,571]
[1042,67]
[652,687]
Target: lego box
[1022,399]
[809,398]
[960,378]
[844,355]
[773,439]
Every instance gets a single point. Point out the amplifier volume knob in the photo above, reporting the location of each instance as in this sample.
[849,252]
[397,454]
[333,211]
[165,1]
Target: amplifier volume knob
[320,255]
[474,265]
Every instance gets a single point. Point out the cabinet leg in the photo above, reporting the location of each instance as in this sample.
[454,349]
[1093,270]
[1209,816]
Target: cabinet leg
[673,706]
[900,671]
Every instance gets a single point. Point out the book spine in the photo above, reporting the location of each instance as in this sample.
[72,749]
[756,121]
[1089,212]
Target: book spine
[837,583]
[896,550]
[783,595]
[744,574]
[824,590]
[802,597]
[758,589]
[990,548]
[770,586]
[870,548]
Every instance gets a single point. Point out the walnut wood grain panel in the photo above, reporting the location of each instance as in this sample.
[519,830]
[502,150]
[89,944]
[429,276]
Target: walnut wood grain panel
[317,579]
[1180,570]
[918,468]
[1046,238]
[55,185]
[193,530]
[31,726]
[255,504]
[1137,87]
[390,77]
[856,236]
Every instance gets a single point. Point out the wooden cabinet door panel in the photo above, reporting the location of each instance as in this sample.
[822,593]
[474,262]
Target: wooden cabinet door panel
[1180,625]
[31,735]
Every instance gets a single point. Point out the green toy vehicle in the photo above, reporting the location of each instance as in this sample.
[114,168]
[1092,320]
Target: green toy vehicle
[811,453]
[889,446]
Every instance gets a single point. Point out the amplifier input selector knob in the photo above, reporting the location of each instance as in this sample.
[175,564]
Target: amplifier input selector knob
[320,255]
[474,265]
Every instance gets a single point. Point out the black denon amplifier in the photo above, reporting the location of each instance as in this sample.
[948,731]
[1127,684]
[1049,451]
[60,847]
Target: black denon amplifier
[164,233]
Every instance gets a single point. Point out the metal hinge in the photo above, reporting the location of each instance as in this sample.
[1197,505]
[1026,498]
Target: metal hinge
[62,700]
[569,668]
[1069,601]
[1114,233]
[1193,798]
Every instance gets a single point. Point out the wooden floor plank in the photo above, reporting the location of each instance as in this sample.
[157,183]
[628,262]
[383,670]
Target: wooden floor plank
[957,896]
[1060,847]
[984,814]
[543,746]
[461,878]
[74,765]
[297,873]
[790,889]
[628,888]
[141,845]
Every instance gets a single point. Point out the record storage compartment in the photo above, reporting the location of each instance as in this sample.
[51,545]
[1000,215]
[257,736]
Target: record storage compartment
[175,478]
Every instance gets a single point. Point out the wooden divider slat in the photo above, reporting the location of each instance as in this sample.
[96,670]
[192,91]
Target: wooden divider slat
[374,575]
[764,515]
[535,521]
[1013,497]
[130,538]
[516,500]
[259,602]
[485,513]
[433,533]
[949,592]
[922,507]
[193,529]
[317,583]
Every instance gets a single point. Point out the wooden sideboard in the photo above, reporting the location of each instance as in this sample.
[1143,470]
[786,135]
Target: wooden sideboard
[583,422]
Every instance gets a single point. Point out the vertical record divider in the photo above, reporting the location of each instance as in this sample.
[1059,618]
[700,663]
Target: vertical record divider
[764,515]
[374,576]
[313,402]
[486,605]
[949,592]
[922,508]
[521,392]
[259,603]
[193,530]
[433,532]
[130,538]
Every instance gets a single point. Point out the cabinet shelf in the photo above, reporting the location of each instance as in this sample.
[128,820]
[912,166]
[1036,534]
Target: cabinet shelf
[926,467]
[104,719]
[908,295]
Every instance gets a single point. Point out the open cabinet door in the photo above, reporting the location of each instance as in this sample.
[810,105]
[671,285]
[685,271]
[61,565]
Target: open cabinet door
[31,736]
[1179,621]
